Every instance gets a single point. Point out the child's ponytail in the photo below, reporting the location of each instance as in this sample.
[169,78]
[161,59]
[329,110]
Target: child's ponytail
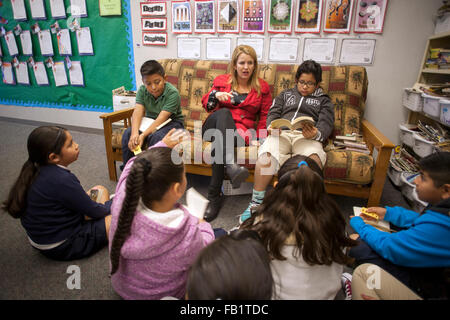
[153,172]
[42,141]
[134,188]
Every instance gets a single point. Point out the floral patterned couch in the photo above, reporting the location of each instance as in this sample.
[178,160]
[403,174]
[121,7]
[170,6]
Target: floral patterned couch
[348,173]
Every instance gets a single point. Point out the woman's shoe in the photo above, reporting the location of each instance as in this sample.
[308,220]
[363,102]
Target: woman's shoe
[237,174]
[213,209]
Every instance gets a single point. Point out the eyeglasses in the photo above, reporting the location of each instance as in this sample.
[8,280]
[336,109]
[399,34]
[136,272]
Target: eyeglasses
[308,84]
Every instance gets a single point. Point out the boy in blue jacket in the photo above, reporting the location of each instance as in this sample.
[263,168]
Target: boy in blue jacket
[419,254]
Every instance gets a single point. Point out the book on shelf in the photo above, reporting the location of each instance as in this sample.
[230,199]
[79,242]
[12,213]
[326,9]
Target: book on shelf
[348,138]
[360,145]
[297,123]
[366,151]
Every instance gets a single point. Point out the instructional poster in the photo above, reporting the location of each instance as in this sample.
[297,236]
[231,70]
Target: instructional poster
[357,51]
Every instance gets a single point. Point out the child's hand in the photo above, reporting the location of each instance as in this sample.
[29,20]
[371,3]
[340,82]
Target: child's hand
[133,142]
[175,136]
[309,131]
[354,236]
[380,212]
[223,96]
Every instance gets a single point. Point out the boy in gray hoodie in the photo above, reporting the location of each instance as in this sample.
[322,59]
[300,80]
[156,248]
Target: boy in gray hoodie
[306,98]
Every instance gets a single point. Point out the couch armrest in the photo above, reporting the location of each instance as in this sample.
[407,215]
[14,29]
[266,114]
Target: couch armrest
[376,140]
[117,115]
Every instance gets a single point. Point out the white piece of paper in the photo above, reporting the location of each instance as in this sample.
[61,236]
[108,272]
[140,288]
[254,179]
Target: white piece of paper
[27,45]
[38,9]
[319,50]
[283,49]
[218,48]
[64,45]
[45,42]
[57,8]
[19,12]
[40,74]
[196,203]
[59,74]
[78,8]
[255,43]
[84,41]
[357,51]
[145,123]
[189,48]
[76,74]
[380,223]
[11,43]
[8,74]
[22,73]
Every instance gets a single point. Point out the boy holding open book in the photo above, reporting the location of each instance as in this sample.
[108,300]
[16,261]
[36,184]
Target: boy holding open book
[419,254]
[158,101]
[299,121]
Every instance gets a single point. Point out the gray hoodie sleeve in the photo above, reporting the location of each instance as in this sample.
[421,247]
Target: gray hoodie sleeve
[276,109]
[325,123]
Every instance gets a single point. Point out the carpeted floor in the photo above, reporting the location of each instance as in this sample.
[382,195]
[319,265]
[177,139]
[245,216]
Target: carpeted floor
[26,274]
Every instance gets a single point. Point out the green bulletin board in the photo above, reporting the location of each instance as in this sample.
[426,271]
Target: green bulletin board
[111,66]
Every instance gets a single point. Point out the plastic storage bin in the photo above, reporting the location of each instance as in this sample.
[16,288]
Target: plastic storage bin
[412,100]
[395,174]
[431,105]
[406,133]
[445,111]
[408,186]
[417,204]
[422,147]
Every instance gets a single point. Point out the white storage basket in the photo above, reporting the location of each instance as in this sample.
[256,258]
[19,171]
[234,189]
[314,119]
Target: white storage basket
[408,184]
[445,111]
[431,105]
[412,100]
[422,147]
[395,174]
[406,133]
[417,204]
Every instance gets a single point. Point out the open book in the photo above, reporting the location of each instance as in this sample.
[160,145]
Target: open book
[147,122]
[295,124]
[196,203]
[379,224]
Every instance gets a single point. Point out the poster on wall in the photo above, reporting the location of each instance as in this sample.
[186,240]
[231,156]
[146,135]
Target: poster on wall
[19,12]
[370,16]
[338,16]
[154,38]
[11,44]
[154,24]
[153,9]
[78,8]
[59,74]
[255,43]
[40,74]
[253,16]
[8,74]
[188,48]
[57,9]
[228,16]
[25,41]
[308,16]
[319,50]
[280,16]
[181,17]
[357,51]
[110,7]
[218,48]
[22,74]
[204,17]
[283,49]
[37,10]
[76,74]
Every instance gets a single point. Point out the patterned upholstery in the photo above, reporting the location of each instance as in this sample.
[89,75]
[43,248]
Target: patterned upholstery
[346,86]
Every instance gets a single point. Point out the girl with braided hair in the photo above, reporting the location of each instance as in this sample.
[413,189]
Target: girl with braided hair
[154,239]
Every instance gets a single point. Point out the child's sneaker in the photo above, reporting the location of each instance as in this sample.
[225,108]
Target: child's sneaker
[346,281]
[247,213]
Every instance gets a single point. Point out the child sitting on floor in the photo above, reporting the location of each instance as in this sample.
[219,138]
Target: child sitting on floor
[303,230]
[154,239]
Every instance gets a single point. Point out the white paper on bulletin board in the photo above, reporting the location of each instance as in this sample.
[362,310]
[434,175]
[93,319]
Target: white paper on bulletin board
[283,49]
[218,48]
[255,43]
[357,51]
[319,50]
[188,48]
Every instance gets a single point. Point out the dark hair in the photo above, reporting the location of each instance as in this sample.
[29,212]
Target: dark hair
[232,267]
[151,175]
[300,206]
[42,141]
[152,67]
[310,66]
[437,165]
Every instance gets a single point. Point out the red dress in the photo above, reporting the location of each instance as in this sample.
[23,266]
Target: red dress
[244,114]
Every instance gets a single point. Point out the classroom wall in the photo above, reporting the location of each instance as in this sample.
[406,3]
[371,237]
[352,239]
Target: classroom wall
[398,54]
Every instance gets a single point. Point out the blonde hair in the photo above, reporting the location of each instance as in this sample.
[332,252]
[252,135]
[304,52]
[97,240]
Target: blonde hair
[254,81]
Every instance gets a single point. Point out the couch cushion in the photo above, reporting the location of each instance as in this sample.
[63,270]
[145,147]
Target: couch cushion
[349,166]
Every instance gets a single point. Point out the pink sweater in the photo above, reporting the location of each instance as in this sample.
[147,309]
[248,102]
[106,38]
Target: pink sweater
[155,258]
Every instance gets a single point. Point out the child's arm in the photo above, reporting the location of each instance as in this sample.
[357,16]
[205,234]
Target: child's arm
[136,119]
[413,247]
[207,232]
[275,109]
[400,217]
[325,122]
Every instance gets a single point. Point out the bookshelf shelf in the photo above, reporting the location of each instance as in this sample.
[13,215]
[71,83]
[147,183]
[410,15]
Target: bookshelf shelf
[437,71]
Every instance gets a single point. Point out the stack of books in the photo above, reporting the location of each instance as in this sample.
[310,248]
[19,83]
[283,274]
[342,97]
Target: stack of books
[439,59]
[404,161]
[351,143]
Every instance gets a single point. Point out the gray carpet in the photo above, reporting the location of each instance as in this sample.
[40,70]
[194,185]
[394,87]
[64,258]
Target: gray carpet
[26,274]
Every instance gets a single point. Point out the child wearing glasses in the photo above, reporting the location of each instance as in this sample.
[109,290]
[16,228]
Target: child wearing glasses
[306,98]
